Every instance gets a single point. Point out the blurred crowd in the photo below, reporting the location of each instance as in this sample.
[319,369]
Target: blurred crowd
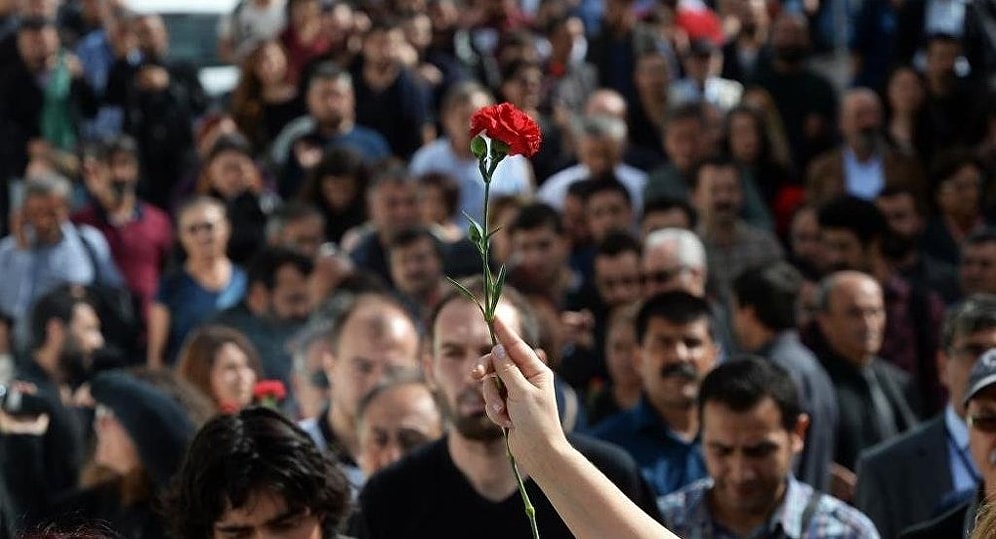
[808,182]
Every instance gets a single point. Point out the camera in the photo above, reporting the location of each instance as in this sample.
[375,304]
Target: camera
[17,403]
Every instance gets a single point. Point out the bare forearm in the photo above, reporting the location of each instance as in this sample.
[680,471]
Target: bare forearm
[591,505]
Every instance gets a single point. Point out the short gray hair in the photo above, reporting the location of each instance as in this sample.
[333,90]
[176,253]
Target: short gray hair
[48,185]
[687,246]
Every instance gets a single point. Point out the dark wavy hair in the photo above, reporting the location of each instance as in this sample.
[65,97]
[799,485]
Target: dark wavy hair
[257,450]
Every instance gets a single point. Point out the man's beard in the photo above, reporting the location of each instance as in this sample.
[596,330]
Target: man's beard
[476,426]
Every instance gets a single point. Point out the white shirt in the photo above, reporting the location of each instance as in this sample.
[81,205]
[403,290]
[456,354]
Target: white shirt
[945,17]
[554,190]
[863,180]
[962,477]
[512,177]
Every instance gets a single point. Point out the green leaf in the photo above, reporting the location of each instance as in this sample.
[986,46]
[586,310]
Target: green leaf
[499,149]
[474,233]
[498,286]
[493,232]
[463,289]
[479,147]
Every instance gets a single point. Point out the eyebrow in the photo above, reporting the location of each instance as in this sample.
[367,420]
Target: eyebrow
[230,528]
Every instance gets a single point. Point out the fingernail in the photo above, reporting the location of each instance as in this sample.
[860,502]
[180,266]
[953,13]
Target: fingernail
[499,352]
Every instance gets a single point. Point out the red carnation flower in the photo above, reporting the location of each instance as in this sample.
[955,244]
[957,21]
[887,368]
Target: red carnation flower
[269,389]
[510,125]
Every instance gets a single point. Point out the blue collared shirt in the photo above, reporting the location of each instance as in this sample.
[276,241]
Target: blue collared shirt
[863,179]
[666,461]
[686,513]
[964,474]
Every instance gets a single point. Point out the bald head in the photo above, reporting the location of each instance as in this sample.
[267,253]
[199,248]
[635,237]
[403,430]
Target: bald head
[860,111]
[605,102]
[852,315]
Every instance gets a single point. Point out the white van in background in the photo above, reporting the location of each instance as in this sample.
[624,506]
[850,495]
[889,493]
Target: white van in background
[193,33]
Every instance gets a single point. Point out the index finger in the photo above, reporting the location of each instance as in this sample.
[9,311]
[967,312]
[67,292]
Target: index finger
[518,351]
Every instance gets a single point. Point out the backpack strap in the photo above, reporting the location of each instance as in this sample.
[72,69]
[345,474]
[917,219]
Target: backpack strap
[810,511]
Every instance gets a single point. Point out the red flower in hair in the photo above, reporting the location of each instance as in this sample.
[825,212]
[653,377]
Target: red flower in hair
[510,125]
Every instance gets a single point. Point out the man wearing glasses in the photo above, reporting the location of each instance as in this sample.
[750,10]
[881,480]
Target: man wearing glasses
[979,404]
[674,259]
[938,450]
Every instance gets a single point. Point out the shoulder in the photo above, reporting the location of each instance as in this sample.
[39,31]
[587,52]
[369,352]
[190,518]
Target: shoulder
[890,371]
[603,454]
[423,158]
[897,450]
[614,427]
[678,507]
[405,479]
[836,518]
[950,524]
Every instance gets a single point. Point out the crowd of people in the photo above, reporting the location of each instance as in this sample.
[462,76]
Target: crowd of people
[754,282]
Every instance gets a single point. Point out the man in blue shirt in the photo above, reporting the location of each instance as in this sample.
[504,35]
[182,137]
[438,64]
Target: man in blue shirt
[677,349]
[752,428]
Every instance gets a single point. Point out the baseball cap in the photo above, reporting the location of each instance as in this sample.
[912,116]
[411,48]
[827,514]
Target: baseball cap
[982,376]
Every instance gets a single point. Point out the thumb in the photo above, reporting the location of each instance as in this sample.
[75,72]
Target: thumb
[517,352]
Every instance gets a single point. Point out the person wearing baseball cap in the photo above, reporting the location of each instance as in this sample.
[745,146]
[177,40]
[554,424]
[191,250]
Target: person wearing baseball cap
[980,407]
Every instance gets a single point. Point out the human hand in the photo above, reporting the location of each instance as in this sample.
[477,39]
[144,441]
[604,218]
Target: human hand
[528,407]
[30,425]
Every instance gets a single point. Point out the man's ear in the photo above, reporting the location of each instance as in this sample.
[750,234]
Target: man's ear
[426,362]
[55,332]
[798,435]
[258,296]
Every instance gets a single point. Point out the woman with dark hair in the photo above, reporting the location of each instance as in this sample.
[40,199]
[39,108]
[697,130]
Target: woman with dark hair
[265,100]
[141,437]
[763,179]
[438,201]
[222,363]
[256,473]
[230,175]
[907,124]
[957,180]
[303,37]
[337,187]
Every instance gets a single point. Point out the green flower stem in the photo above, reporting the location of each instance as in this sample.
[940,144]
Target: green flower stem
[492,293]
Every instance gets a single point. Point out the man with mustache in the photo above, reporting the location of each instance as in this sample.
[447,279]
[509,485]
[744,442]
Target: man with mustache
[463,483]
[677,349]
[731,244]
[275,307]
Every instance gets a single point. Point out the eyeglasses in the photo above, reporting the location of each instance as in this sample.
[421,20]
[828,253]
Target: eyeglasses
[662,276]
[982,423]
[206,226]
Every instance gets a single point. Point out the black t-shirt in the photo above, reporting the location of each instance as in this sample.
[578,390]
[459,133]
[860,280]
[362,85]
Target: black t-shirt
[425,495]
